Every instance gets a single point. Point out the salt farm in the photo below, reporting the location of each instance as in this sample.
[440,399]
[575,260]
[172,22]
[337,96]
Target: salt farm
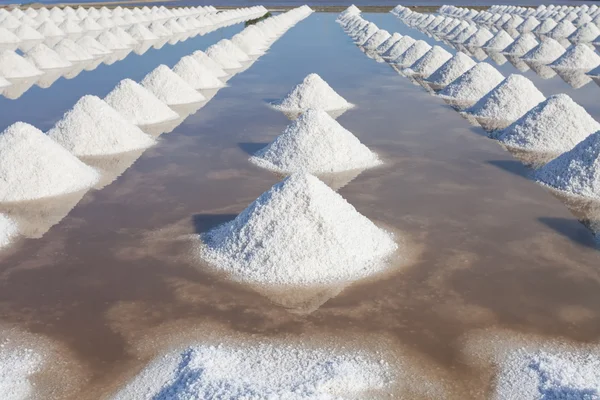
[208,202]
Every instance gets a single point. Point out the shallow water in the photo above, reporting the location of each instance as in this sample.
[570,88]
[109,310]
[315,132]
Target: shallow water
[112,283]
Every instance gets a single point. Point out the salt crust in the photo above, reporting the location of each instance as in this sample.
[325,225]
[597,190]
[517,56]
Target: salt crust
[169,87]
[376,39]
[317,144]
[431,61]
[452,69]
[196,75]
[521,45]
[8,230]
[223,57]
[508,101]
[138,105]
[399,48]
[414,52]
[44,57]
[209,63]
[579,57]
[315,93]
[18,364]
[33,166]
[473,84]
[548,51]
[13,65]
[300,232]
[93,128]
[92,46]
[386,45]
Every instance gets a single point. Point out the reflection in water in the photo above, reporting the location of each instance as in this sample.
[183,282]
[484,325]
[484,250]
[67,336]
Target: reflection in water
[292,115]
[156,130]
[586,210]
[492,124]
[519,64]
[543,71]
[575,78]
[51,76]
[112,166]
[18,87]
[117,55]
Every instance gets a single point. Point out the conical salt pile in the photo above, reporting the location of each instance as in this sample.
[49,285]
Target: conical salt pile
[110,41]
[430,62]
[499,42]
[548,51]
[33,166]
[386,45]
[585,34]
[140,33]
[13,65]
[508,101]
[414,52]
[25,32]
[92,46]
[71,51]
[234,51]
[209,63]
[315,143]
[249,45]
[472,85]
[452,69]
[93,128]
[70,27]
[576,171]
[8,230]
[562,30]
[123,36]
[4,83]
[138,105]
[553,126]
[529,24]
[222,57]
[521,46]
[7,37]
[169,87]
[49,29]
[365,33]
[376,39]
[398,48]
[315,93]
[546,26]
[44,57]
[479,38]
[579,57]
[300,232]
[196,75]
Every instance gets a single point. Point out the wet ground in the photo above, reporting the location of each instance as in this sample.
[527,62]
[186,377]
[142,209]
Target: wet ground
[113,284]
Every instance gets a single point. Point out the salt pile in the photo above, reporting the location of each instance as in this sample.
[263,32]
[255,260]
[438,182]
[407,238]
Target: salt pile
[140,33]
[365,33]
[138,105]
[260,370]
[123,36]
[7,37]
[70,27]
[223,57]
[93,128]
[508,101]
[562,30]
[430,62]
[25,33]
[545,27]
[553,126]
[376,39]
[49,29]
[387,44]
[529,24]
[72,51]
[300,232]
[399,48]
[315,93]
[452,69]
[169,87]
[499,42]
[414,52]
[548,51]
[479,38]
[209,63]
[13,65]
[110,41]
[33,166]
[44,57]
[579,57]
[196,75]
[233,50]
[92,46]
[585,34]
[464,35]
[4,83]
[522,45]
[315,143]
[473,84]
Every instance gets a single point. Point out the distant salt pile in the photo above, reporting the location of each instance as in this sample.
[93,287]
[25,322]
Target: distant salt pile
[545,27]
[169,87]
[26,32]
[464,35]
[300,232]
[123,36]
[317,144]
[554,126]
[364,34]
[499,42]
[521,46]
[33,166]
[479,38]
[222,57]
[110,41]
[449,71]
[49,29]
[376,39]
[71,51]
[585,34]
[562,30]
[93,128]
[548,51]
[92,46]
[138,105]
[414,52]
[8,230]
[507,102]
[398,48]
[214,67]
[472,85]
[140,33]
[529,24]
[387,44]
[232,50]
[315,93]
[13,65]
[44,57]
[430,62]
[578,57]
[4,83]
[7,37]
[70,27]
[196,75]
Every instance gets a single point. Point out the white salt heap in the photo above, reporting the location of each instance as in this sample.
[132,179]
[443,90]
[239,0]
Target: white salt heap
[8,230]
[123,36]
[585,34]
[13,65]
[479,38]
[197,75]
[546,26]
[430,62]
[452,69]
[579,57]
[26,32]
[72,51]
[386,45]
[315,93]
[499,42]
[138,105]
[7,37]
[473,84]
[70,27]
[232,50]
[93,128]
[300,232]
[508,101]
[223,57]
[553,126]
[376,39]
[548,51]
[92,46]
[365,33]
[140,33]
[522,45]
[169,87]
[315,143]
[414,52]
[44,57]
[4,83]
[399,48]
[49,29]
[562,30]
[260,370]
[33,166]
[110,41]
[529,24]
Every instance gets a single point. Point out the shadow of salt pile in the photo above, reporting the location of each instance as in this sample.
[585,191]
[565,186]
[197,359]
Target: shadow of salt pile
[585,210]
[112,166]
[574,78]
[532,159]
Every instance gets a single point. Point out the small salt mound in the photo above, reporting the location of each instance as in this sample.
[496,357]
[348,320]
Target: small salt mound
[464,35]
[8,230]
[553,126]
[315,143]
[545,27]
[174,27]
[361,37]
[222,57]
[562,30]
[315,93]
[585,34]
[508,101]
[376,39]
[33,166]
[300,232]
[49,29]
[72,51]
[92,46]
[250,45]
[159,30]
[138,105]
[452,69]
[44,57]
[479,38]
[548,51]
[7,37]
[13,65]
[399,48]
[123,36]
[93,128]
[522,45]
[25,32]
[140,33]
[232,50]
[69,26]
[169,87]
[473,84]
[110,41]
[579,57]
[209,63]
[196,75]
[430,62]
[529,24]
[386,45]
[414,52]
[499,42]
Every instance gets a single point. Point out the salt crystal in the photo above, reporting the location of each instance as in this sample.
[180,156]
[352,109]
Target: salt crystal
[479,38]
[473,84]
[13,65]
[169,87]
[548,51]
[412,54]
[585,34]
[138,105]
[522,45]
[19,365]
[222,57]
[93,128]
[197,75]
[562,30]
[449,71]
[315,93]
[44,57]
[499,42]
[33,166]
[209,63]
[399,48]
[7,37]
[92,46]
[8,230]
[110,41]
[25,32]
[430,62]
[579,57]
[72,51]
[386,45]
[376,39]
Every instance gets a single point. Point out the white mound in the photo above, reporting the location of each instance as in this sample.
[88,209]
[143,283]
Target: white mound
[71,51]
[70,27]
[452,69]
[554,126]
[18,366]
[499,42]
[317,144]
[13,65]
[232,50]
[25,32]
[33,166]
[365,33]
[479,38]
[138,105]
[387,44]
[585,34]
[522,45]
[140,33]
[315,93]
[546,26]
[49,29]
[414,52]
[562,30]
[431,61]
[209,63]
[223,57]
[92,46]
[579,57]
[548,51]
[93,128]
[110,41]
[8,230]
[44,57]
[398,48]
[300,232]
[473,84]
[7,37]
[196,75]
[529,24]
[376,39]
[123,36]
[169,87]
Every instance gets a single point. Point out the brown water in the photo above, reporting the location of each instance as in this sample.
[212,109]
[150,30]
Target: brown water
[112,283]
